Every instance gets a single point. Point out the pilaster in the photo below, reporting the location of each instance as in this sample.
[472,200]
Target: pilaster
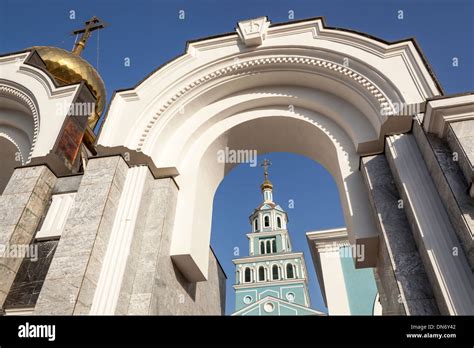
[22,205]
[401,278]
[72,278]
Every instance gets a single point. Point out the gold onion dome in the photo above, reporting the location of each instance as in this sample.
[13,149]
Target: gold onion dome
[68,68]
[266,184]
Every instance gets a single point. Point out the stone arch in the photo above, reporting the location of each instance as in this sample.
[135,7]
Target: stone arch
[291,93]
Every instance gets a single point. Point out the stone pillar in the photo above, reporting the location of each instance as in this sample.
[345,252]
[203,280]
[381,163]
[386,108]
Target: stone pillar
[461,140]
[22,206]
[445,160]
[72,278]
[401,278]
[445,262]
[153,284]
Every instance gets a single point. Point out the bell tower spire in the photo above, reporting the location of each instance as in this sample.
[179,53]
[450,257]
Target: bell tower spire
[266,186]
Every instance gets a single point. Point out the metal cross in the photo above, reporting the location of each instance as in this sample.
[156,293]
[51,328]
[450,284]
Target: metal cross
[265,164]
[92,24]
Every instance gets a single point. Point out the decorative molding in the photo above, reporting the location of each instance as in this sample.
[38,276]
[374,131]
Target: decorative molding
[271,282]
[441,112]
[268,257]
[10,139]
[252,32]
[250,66]
[46,80]
[252,306]
[26,100]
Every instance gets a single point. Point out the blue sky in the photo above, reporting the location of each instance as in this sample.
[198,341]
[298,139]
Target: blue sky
[150,33]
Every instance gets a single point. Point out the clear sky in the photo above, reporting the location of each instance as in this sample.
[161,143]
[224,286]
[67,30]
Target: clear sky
[150,33]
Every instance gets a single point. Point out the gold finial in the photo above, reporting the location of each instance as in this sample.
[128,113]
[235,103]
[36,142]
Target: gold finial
[91,25]
[266,183]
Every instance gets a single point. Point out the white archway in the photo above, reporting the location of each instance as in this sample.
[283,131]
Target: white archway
[294,92]
[264,129]
[19,123]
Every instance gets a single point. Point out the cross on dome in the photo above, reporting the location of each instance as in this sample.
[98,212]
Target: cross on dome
[266,186]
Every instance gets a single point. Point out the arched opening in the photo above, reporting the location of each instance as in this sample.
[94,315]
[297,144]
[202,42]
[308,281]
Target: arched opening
[316,206]
[247,275]
[16,135]
[340,159]
[275,272]
[278,222]
[290,274]
[266,221]
[261,273]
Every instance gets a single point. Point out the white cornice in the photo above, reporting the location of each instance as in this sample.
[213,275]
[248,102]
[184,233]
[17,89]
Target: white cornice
[269,257]
[441,112]
[325,238]
[266,233]
[263,284]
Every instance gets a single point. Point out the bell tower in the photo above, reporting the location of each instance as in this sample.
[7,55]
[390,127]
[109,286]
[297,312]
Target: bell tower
[272,280]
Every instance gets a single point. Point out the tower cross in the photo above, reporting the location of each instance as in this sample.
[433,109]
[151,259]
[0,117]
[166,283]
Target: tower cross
[91,25]
[265,164]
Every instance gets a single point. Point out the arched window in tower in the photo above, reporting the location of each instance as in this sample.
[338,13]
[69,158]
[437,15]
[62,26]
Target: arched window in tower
[262,247]
[275,272]
[255,224]
[274,245]
[261,273]
[290,272]
[278,222]
[269,246]
[247,275]
[266,221]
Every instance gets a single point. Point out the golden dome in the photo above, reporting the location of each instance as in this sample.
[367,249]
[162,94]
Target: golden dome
[267,184]
[68,68]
